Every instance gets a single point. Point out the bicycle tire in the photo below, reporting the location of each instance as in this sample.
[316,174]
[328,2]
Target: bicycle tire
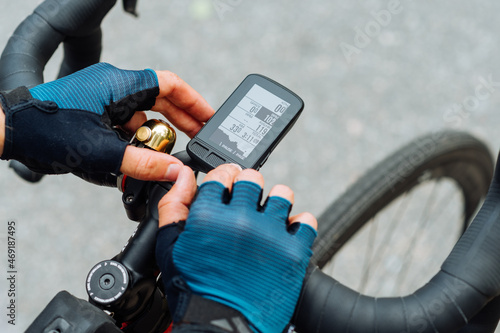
[450,154]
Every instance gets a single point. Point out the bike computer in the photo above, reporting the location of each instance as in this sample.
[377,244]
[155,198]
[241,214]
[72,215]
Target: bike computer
[248,126]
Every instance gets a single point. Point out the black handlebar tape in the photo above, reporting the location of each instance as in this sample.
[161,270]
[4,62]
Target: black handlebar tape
[81,52]
[75,22]
[443,305]
[469,278]
[23,59]
[486,320]
[476,257]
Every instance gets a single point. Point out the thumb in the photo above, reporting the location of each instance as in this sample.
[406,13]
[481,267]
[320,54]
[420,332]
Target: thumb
[146,164]
[174,206]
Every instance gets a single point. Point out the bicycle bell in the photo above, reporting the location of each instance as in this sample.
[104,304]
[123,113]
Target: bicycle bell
[156,134]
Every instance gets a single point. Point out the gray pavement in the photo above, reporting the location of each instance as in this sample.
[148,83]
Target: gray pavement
[373,75]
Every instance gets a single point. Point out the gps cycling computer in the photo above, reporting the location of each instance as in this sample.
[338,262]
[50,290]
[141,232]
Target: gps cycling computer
[248,126]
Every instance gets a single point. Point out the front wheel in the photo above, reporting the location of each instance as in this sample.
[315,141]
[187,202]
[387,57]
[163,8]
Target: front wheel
[391,230]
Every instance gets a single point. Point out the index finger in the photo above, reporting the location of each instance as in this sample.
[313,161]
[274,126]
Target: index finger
[181,104]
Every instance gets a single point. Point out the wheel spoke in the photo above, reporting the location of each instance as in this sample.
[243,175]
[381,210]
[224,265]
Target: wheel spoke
[368,254]
[421,225]
[375,242]
[451,197]
[401,207]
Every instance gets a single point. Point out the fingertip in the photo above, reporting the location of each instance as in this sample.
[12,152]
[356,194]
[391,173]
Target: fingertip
[237,166]
[250,175]
[186,174]
[282,191]
[173,172]
[305,218]
[224,174]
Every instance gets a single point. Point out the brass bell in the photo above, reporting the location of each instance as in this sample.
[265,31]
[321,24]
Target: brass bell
[156,134]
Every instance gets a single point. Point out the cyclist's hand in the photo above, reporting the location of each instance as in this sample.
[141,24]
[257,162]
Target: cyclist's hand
[233,251]
[66,125]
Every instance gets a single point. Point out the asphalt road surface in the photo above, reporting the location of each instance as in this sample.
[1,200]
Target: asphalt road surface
[373,74]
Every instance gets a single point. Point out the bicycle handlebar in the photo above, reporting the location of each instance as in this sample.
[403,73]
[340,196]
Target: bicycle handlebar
[467,281]
[75,23]
[130,297]
[469,278]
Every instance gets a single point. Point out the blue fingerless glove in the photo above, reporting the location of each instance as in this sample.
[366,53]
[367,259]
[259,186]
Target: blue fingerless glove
[237,253]
[65,125]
